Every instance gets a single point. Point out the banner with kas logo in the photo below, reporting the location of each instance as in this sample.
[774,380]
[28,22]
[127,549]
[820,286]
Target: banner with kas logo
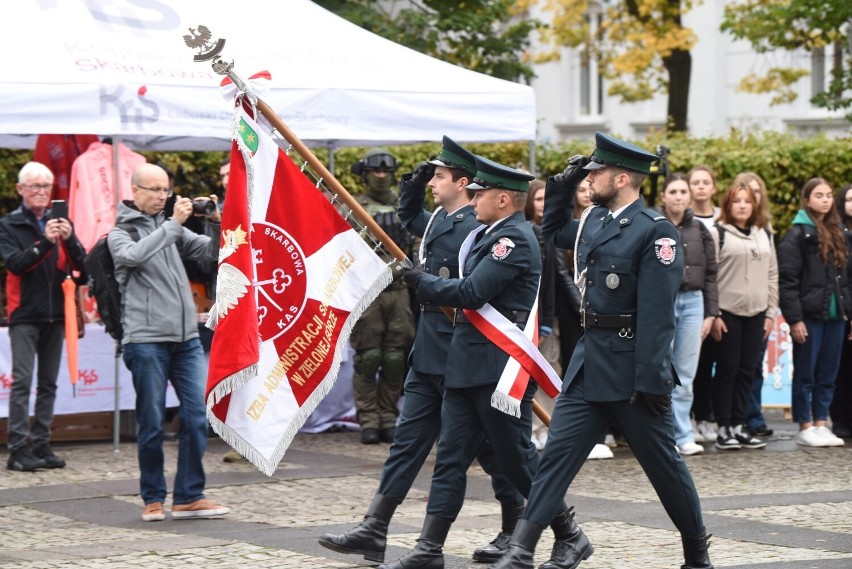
[293,279]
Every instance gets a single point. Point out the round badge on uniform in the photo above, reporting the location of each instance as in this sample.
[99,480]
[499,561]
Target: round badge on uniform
[665,250]
[444,272]
[612,280]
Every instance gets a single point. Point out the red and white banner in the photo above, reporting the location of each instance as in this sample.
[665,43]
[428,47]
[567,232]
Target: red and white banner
[293,279]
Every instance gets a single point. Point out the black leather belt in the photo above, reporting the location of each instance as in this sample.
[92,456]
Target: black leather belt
[514,316]
[617,321]
[430,308]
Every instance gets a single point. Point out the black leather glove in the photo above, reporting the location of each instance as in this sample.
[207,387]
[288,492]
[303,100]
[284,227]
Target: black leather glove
[411,276]
[574,173]
[421,174]
[656,404]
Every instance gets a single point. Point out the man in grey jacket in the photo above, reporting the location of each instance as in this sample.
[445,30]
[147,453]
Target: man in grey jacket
[161,338]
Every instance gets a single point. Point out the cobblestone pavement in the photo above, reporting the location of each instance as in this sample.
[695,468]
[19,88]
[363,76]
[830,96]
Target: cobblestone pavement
[783,507]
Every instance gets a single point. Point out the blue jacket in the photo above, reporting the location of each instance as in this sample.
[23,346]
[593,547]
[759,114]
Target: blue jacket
[503,269]
[646,276]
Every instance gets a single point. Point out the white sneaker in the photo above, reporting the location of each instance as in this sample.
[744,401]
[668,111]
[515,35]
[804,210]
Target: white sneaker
[810,437]
[690,448]
[600,452]
[609,441]
[696,436]
[706,430]
[831,439]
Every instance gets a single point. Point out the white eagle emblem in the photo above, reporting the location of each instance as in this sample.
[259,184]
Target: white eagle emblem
[231,286]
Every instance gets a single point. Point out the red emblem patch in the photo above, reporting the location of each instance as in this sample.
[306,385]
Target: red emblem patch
[502,248]
[665,250]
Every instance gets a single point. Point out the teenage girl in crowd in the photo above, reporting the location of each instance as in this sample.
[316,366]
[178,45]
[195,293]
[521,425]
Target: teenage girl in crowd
[816,302]
[748,301]
[702,187]
[754,417]
[696,305]
[841,406]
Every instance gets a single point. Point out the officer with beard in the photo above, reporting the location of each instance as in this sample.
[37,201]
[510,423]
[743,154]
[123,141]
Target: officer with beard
[629,267]
[384,333]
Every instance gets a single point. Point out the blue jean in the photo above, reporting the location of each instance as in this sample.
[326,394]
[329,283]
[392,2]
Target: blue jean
[815,365]
[152,366]
[28,342]
[686,346]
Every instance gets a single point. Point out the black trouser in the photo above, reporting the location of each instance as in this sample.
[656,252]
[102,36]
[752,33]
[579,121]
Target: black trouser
[736,359]
[575,427]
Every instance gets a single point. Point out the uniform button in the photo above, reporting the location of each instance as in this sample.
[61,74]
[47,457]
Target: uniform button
[590,283]
[592,262]
[612,267]
[668,383]
[588,303]
[445,259]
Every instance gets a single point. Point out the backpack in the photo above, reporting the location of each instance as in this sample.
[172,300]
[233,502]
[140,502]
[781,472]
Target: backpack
[102,284]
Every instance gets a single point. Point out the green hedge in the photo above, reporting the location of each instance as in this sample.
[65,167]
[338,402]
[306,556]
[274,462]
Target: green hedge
[783,160]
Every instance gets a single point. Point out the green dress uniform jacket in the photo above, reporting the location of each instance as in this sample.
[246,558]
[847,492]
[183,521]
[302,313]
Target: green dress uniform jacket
[628,273]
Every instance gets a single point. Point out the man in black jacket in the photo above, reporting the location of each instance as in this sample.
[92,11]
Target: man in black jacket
[39,250]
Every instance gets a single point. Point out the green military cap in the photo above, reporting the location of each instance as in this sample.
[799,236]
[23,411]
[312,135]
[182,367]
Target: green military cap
[453,155]
[611,151]
[490,174]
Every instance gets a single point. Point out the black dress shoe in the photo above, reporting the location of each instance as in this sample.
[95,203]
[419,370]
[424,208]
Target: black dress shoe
[370,436]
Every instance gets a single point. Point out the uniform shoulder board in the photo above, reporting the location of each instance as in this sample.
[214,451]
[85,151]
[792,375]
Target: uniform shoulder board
[654,215]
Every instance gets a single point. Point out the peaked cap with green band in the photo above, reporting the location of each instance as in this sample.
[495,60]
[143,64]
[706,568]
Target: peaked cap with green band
[490,174]
[611,151]
[453,155]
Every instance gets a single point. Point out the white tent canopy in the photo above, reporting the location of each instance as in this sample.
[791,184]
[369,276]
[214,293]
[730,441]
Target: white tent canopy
[121,68]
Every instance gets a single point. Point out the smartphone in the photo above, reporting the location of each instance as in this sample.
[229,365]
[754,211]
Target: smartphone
[58,209]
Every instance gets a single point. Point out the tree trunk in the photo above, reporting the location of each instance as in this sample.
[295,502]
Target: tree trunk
[679,67]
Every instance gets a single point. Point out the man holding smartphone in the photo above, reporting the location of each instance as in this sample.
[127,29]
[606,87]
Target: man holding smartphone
[38,248]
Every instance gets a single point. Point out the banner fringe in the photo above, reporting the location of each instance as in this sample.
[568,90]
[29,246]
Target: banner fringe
[505,403]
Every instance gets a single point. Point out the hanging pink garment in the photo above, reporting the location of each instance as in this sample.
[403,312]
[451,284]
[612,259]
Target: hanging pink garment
[58,152]
[91,203]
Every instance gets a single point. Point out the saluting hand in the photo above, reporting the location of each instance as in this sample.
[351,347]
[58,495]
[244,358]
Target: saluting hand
[574,173]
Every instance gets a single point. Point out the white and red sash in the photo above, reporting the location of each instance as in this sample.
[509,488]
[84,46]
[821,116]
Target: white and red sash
[525,359]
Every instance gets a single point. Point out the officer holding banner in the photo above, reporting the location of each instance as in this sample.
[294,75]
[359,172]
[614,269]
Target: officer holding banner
[443,232]
[501,271]
[629,269]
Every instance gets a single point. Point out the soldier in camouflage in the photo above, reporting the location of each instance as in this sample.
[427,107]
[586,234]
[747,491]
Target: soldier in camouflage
[384,333]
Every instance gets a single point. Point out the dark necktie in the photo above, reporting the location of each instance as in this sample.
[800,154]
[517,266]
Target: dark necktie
[607,219]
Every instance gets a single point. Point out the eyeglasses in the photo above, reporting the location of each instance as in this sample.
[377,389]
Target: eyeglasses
[38,187]
[166,191]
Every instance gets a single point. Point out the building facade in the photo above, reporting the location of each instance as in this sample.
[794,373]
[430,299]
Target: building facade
[572,102]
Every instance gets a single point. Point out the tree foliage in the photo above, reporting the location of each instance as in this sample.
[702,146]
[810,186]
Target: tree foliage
[641,46]
[481,35]
[795,25]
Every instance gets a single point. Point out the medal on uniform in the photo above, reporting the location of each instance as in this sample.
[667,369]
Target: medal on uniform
[444,272]
[612,280]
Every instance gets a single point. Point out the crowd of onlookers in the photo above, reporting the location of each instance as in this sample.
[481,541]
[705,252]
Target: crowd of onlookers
[739,274]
